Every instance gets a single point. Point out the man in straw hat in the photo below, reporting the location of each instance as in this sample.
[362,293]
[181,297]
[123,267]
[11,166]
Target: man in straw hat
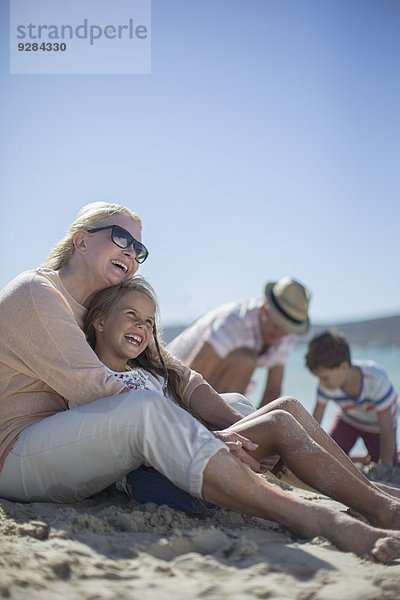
[229,342]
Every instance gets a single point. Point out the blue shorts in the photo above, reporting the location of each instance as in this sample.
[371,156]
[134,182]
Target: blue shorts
[145,484]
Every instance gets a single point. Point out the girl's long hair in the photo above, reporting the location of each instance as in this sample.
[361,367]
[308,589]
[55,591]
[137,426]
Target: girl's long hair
[155,358]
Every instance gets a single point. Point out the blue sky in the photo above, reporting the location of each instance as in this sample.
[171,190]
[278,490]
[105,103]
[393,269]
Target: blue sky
[264,143]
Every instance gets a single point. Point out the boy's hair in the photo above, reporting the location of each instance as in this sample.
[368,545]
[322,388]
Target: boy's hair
[155,358]
[327,350]
[90,216]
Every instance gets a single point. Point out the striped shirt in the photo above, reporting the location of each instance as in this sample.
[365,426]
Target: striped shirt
[376,395]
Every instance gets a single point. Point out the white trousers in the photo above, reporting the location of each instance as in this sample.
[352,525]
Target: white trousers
[76,453]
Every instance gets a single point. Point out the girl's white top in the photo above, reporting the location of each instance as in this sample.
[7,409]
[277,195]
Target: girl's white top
[139,379]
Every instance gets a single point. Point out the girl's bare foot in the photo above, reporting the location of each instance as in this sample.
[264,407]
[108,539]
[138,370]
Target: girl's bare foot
[389,516]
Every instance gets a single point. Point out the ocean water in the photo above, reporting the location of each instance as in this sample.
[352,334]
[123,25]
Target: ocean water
[301,384]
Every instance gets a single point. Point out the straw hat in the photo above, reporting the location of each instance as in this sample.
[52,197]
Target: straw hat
[288,302]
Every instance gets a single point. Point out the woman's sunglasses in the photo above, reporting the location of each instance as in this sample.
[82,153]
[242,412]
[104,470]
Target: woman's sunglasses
[122,238]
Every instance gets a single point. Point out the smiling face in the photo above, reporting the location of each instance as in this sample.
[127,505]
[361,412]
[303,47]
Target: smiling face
[106,263]
[126,331]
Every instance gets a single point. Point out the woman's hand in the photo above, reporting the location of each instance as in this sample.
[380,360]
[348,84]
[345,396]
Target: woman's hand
[239,446]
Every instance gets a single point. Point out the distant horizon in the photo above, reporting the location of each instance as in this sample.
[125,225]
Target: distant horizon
[378,332]
[313,323]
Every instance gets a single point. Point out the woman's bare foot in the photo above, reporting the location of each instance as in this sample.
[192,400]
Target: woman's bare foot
[365,541]
[385,549]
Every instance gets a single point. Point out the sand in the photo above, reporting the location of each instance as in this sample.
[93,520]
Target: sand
[110,547]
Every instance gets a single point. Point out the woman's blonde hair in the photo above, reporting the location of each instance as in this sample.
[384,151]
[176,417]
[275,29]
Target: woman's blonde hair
[155,358]
[90,216]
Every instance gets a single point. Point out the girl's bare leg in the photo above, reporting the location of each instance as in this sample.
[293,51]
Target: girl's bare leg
[278,432]
[388,489]
[315,431]
[229,483]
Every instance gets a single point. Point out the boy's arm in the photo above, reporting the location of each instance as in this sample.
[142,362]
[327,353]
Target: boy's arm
[319,411]
[387,437]
[274,383]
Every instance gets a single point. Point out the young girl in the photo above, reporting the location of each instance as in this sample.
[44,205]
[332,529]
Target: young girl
[121,328]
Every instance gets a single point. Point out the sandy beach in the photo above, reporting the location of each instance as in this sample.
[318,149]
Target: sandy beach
[110,547]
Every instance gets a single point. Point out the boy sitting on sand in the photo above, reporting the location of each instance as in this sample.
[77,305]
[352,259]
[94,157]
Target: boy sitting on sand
[364,393]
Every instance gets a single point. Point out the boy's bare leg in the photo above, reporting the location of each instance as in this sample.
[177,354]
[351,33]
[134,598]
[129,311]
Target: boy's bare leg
[278,432]
[315,431]
[229,483]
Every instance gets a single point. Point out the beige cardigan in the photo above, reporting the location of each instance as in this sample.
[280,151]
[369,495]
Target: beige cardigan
[45,360]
